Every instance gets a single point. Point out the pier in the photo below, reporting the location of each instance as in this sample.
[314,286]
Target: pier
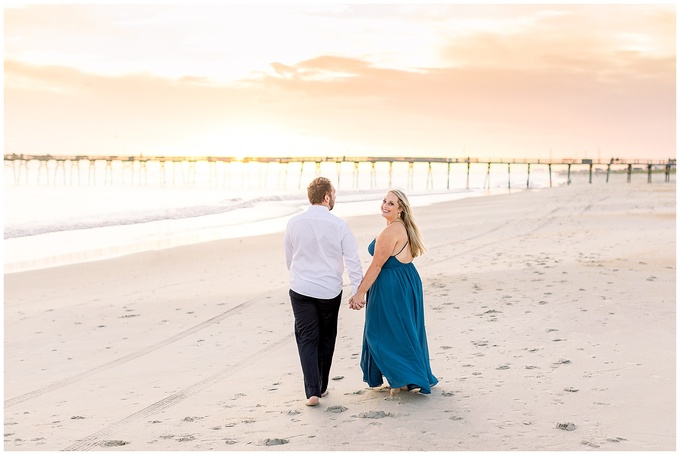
[218,170]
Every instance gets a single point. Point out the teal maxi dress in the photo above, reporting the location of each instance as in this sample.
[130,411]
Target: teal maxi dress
[395,344]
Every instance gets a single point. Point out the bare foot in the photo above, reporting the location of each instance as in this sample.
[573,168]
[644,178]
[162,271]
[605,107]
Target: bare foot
[393,391]
[324,394]
[312,401]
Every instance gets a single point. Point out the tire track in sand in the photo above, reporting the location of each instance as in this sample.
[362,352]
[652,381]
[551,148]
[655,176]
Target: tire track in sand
[95,439]
[135,355]
[550,219]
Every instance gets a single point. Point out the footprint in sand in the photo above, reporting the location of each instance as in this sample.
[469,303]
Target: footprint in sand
[336,409]
[561,362]
[568,426]
[617,439]
[191,419]
[275,441]
[490,312]
[374,415]
[113,443]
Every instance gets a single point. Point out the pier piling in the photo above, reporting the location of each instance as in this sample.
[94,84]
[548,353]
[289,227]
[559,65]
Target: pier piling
[191,170]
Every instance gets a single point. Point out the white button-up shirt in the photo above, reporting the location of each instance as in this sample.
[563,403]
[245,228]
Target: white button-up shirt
[316,242]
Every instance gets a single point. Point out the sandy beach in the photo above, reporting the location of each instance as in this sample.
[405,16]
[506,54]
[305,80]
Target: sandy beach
[550,317]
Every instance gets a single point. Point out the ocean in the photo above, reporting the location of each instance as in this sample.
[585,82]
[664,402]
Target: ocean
[62,214]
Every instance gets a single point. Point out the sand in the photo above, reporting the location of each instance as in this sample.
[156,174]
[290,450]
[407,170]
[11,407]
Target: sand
[550,318]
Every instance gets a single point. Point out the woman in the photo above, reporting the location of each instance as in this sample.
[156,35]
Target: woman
[395,344]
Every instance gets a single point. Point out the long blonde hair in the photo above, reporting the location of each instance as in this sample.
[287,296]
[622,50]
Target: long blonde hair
[414,237]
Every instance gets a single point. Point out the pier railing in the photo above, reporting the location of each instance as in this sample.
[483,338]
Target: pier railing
[50,167]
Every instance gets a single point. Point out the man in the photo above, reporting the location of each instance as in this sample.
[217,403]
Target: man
[316,243]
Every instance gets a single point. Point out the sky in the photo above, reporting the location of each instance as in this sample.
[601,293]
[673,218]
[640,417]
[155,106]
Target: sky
[546,81]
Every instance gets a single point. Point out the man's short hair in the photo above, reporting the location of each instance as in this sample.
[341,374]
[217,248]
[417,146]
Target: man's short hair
[318,188]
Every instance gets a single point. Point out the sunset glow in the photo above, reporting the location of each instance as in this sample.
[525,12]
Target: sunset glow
[450,80]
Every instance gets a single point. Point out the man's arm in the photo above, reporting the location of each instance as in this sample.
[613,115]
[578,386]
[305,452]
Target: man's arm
[351,256]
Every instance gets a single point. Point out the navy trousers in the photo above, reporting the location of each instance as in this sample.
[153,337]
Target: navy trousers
[316,328]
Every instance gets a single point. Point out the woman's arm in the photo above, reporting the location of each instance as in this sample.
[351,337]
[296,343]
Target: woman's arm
[384,245]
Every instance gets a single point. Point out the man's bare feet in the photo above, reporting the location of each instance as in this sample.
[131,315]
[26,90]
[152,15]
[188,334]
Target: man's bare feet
[312,401]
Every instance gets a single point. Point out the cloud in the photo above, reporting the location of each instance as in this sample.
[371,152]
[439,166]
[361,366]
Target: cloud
[558,77]
[284,70]
[324,68]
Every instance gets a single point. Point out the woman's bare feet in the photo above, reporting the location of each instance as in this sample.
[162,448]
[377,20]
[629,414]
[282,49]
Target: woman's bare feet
[324,394]
[393,392]
[312,401]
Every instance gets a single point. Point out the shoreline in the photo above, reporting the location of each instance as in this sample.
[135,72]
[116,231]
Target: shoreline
[56,249]
[542,308]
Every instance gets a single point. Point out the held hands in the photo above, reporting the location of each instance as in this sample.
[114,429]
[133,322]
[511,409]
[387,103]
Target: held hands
[357,302]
